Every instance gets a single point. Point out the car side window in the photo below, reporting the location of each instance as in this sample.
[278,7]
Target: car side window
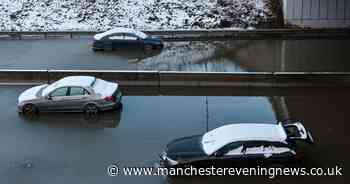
[234,148]
[59,92]
[77,91]
[266,148]
[130,37]
[116,37]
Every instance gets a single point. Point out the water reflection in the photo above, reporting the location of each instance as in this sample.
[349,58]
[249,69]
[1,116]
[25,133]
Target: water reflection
[252,56]
[107,119]
[132,56]
[191,56]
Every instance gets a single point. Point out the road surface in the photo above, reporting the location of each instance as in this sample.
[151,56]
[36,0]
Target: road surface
[214,56]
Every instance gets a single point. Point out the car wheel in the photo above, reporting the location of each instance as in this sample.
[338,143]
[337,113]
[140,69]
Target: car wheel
[148,48]
[91,109]
[96,49]
[91,118]
[29,110]
[159,47]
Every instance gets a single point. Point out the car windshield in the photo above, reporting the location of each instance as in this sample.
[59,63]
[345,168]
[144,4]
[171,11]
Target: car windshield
[40,92]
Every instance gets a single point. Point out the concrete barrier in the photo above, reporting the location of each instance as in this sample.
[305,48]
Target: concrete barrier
[24,76]
[194,79]
[203,34]
[216,79]
[132,78]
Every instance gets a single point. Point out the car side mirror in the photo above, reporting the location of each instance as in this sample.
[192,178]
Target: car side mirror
[48,97]
[218,154]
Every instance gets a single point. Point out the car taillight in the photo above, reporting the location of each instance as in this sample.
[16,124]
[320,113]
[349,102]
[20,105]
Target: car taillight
[110,98]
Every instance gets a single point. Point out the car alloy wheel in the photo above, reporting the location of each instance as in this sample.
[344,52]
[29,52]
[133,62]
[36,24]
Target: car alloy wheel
[29,109]
[91,109]
[91,118]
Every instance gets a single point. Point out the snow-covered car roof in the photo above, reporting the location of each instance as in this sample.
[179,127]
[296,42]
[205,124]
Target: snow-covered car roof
[82,81]
[120,30]
[219,137]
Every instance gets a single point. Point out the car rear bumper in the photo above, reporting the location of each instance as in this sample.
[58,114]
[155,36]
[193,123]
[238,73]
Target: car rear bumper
[114,105]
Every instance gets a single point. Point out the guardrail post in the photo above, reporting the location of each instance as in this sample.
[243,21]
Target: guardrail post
[71,35]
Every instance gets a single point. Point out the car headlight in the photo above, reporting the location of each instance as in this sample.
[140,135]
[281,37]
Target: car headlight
[166,159]
[163,155]
[172,162]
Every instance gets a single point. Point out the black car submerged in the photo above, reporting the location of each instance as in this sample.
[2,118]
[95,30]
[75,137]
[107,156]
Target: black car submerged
[125,38]
[240,145]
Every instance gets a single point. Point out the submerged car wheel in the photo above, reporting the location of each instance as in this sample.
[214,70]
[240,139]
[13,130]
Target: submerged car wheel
[29,110]
[148,48]
[96,49]
[159,47]
[91,109]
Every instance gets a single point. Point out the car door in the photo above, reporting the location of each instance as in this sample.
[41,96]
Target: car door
[255,153]
[132,41]
[231,155]
[56,99]
[116,41]
[76,99]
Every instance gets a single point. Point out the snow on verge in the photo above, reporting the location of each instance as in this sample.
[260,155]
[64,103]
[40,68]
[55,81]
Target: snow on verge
[35,15]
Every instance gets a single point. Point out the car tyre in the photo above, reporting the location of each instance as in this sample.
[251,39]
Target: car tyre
[91,110]
[159,47]
[96,49]
[148,48]
[91,118]
[29,110]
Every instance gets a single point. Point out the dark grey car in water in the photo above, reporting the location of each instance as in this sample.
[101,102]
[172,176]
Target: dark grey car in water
[125,38]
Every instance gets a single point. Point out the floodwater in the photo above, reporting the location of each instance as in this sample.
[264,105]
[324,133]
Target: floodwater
[71,148]
[211,56]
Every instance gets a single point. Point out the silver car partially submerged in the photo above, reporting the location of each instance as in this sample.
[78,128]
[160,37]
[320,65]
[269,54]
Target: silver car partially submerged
[75,93]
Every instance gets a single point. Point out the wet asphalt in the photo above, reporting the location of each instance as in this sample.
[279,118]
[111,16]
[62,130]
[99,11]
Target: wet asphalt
[211,56]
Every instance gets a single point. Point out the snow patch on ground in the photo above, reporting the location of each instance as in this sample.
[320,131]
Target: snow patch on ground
[35,15]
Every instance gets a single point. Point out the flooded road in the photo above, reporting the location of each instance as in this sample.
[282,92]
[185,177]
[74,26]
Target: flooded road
[71,148]
[212,56]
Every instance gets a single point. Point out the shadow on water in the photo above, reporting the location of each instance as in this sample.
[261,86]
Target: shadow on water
[107,119]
